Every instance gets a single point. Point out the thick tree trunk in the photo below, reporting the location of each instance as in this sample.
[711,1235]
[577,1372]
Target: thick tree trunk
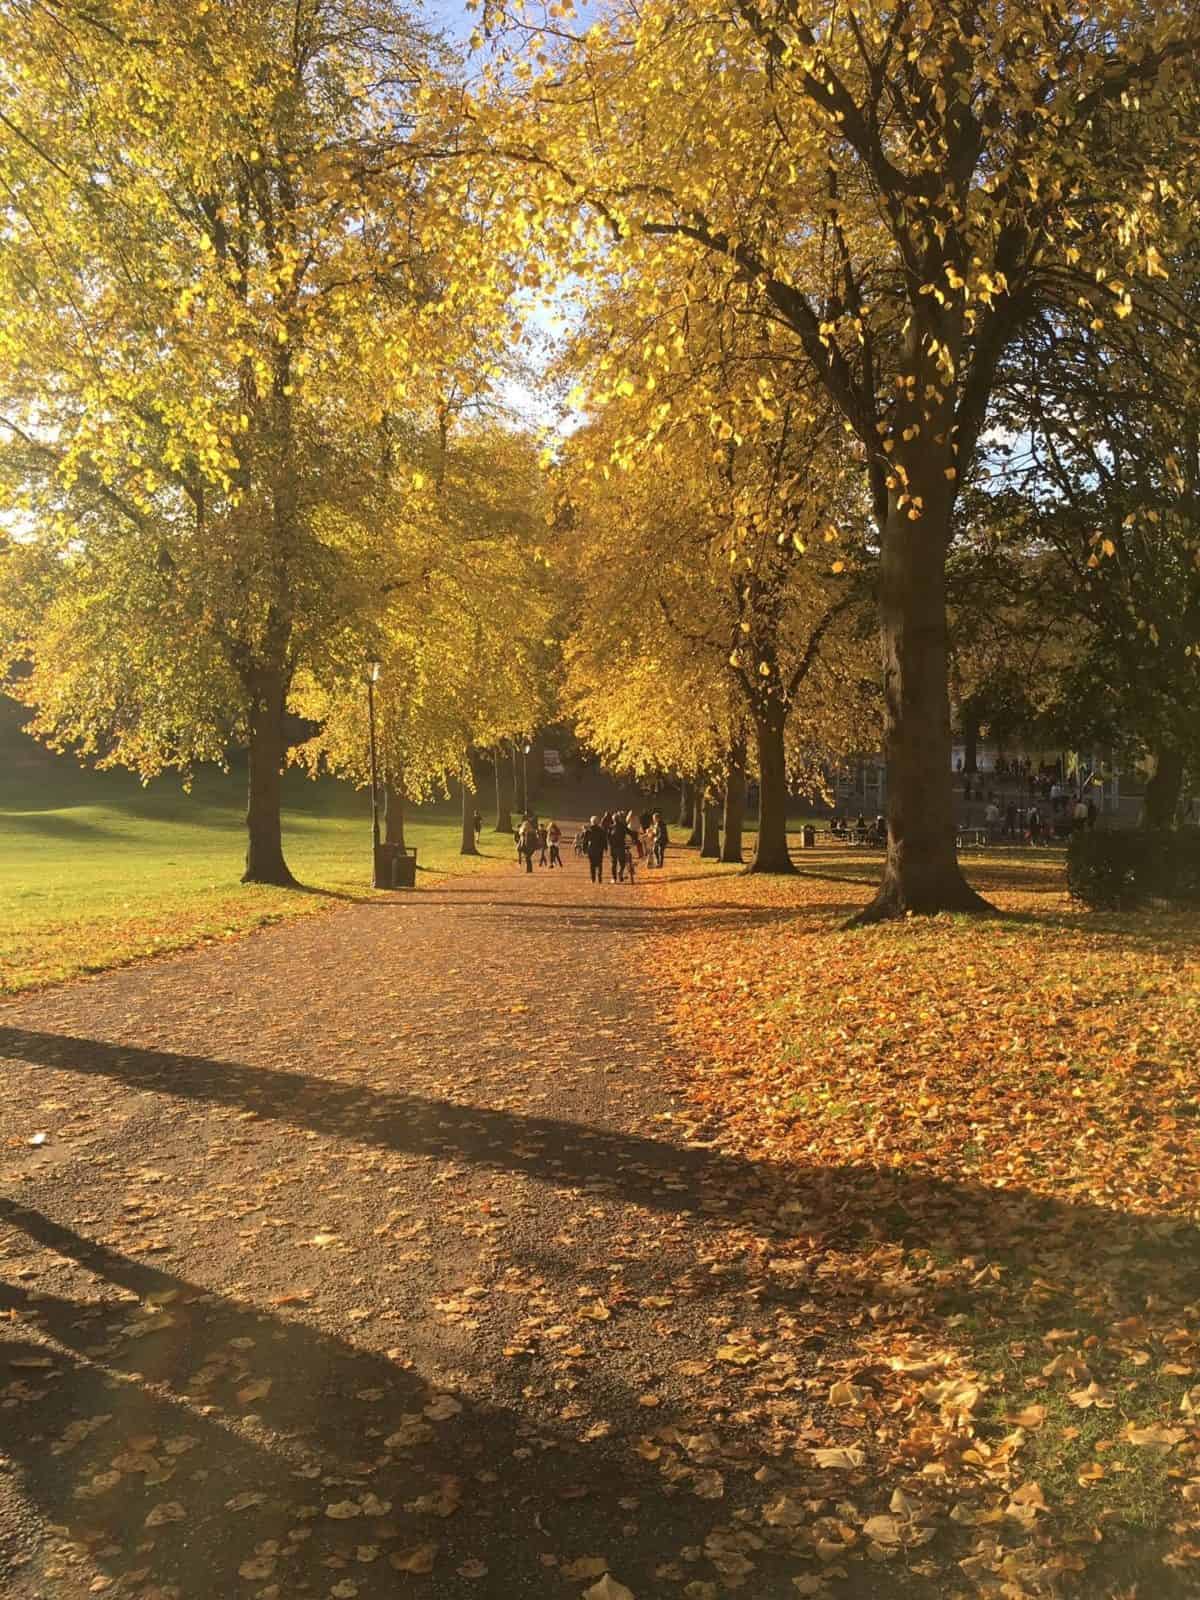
[687,802]
[264,825]
[1163,789]
[735,805]
[695,837]
[468,813]
[393,814]
[504,796]
[922,873]
[710,836]
[771,848]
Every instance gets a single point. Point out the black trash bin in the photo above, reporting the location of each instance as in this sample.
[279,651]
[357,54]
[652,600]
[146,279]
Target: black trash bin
[809,834]
[385,855]
[404,868]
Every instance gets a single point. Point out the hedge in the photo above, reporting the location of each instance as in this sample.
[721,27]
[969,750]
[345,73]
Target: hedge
[1114,870]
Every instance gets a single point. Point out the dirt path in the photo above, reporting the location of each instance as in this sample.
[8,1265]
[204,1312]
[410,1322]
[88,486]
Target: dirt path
[371,1254]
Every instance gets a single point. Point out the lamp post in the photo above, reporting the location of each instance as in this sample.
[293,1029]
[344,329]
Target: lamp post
[372,679]
[525,775]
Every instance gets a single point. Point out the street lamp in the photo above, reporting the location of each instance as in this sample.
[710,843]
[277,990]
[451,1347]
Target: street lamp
[525,779]
[373,670]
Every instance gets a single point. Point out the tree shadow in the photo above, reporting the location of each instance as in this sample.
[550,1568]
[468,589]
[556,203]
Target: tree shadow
[853,1201]
[178,1434]
[56,825]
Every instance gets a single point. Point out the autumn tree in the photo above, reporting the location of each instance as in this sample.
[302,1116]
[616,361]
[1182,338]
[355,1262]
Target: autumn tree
[224,264]
[752,546]
[1096,519]
[907,183]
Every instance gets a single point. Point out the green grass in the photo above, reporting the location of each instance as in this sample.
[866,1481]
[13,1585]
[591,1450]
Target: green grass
[97,870]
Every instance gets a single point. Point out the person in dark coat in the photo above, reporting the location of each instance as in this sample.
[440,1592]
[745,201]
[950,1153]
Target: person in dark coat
[659,838]
[595,843]
[618,847]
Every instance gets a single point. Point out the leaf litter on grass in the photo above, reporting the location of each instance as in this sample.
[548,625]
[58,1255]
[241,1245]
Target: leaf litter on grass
[988,1136]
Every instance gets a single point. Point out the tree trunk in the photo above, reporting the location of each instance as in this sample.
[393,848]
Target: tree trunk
[710,817]
[393,814]
[468,813]
[686,804]
[1162,790]
[735,805]
[771,849]
[922,873]
[504,796]
[264,825]
[697,832]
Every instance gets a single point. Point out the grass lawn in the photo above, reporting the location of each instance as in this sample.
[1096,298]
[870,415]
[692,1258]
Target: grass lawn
[96,870]
[992,1133]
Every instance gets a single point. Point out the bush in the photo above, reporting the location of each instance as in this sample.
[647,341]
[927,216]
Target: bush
[1114,870]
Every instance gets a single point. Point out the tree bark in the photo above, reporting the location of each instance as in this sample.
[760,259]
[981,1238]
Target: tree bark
[771,848]
[710,818]
[504,796]
[264,797]
[393,814]
[735,805]
[1162,790]
[686,804]
[922,873]
[695,837]
[468,813]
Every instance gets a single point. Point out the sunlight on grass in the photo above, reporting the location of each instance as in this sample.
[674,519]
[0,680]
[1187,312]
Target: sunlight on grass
[96,870]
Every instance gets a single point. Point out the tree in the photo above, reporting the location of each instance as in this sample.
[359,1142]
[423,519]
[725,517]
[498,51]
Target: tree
[463,633]
[734,493]
[224,263]
[1098,521]
[905,184]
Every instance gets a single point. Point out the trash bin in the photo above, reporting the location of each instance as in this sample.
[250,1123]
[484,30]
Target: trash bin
[385,855]
[809,834]
[404,868]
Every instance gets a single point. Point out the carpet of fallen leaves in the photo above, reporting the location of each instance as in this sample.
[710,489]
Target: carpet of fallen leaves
[992,1132]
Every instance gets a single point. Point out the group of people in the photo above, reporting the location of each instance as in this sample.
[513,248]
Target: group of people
[626,839]
[1015,822]
[534,838]
[623,836]
[860,831]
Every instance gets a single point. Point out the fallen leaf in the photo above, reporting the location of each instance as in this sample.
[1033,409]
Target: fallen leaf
[608,1589]
[169,1511]
[419,1560]
[584,1567]
[343,1510]
[442,1407]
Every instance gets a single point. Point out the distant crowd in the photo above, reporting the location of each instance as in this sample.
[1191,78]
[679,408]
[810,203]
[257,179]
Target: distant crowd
[624,837]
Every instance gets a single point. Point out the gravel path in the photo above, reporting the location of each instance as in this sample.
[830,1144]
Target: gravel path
[372,1254]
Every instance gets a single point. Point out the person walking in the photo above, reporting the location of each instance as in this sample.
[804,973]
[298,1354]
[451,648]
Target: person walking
[595,843]
[477,820]
[634,848]
[618,853]
[543,840]
[1034,820]
[554,835]
[527,843]
[660,838]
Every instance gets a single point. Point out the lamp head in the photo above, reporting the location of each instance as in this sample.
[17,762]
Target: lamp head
[374,668]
